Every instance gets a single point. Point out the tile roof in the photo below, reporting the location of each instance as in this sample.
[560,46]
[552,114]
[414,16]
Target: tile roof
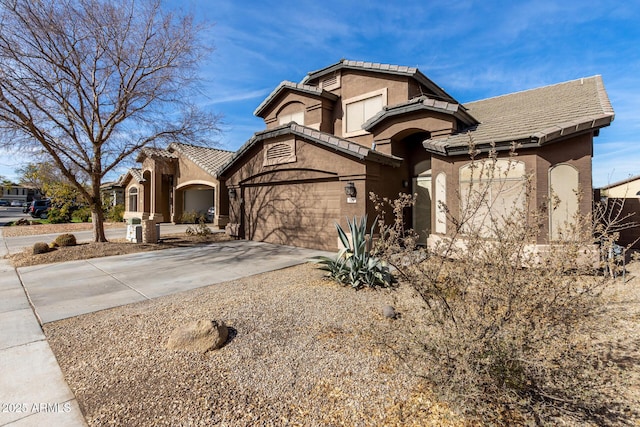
[321,138]
[298,87]
[208,159]
[421,103]
[533,117]
[381,68]
[154,152]
[134,173]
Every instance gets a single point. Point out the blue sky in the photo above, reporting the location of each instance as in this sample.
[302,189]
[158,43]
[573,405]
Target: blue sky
[472,49]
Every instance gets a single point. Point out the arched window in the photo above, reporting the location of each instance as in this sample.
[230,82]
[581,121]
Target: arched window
[491,193]
[133,199]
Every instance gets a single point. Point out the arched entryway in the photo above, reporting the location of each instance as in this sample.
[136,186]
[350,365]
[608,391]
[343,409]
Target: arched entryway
[195,197]
[408,145]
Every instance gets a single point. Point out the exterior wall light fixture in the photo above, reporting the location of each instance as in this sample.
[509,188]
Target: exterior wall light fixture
[350,190]
[232,193]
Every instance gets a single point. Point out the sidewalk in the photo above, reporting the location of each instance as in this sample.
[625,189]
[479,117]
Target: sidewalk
[33,391]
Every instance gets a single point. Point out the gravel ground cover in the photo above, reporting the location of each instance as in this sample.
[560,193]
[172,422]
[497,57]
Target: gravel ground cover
[303,351]
[32,230]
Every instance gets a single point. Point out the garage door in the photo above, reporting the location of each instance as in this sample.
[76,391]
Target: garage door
[300,214]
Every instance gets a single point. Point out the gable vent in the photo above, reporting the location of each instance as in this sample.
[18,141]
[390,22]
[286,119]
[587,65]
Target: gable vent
[280,152]
[331,82]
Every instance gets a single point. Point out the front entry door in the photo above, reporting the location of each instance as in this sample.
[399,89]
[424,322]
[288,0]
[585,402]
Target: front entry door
[422,208]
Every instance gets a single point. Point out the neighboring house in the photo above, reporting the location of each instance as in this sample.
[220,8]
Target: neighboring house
[112,193]
[20,192]
[358,127]
[179,179]
[623,202]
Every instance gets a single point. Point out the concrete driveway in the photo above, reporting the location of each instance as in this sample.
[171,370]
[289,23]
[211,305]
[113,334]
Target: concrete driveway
[68,289]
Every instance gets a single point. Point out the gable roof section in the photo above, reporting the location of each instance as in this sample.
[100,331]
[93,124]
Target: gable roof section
[296,87]
[208,159]
[421,103]
[321,138]
[132,173]
[400,70]
[154,152]
[532,118]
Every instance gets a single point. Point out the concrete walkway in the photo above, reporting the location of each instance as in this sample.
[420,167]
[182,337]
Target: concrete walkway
[33,391]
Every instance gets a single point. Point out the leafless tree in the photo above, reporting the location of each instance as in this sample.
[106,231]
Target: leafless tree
[90,82]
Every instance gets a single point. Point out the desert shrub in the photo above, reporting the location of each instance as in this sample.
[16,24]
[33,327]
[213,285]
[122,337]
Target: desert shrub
[65,240]
[201,229]
[114,213]
[40,248]
[192,217]
[355,265]
[82,214]
[504,334]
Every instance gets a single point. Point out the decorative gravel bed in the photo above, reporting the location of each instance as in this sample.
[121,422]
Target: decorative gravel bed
[303,351]
[32,230]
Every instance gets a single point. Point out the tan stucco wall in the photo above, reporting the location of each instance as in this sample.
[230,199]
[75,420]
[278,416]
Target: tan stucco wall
[576,151]
[287,189]
[627,190]
[316,109]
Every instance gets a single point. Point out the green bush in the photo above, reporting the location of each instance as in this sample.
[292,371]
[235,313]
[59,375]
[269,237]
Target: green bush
[58,215]
[115,213]
[82,214]
[40,248]
[354,264]
[65,240]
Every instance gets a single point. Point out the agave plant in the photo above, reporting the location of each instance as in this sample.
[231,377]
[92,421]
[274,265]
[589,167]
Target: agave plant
[354,265]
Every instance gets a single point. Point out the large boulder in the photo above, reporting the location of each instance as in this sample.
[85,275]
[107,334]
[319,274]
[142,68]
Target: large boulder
[199,336]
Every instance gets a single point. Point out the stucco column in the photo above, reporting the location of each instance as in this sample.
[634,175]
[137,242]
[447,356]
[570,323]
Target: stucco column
[156,196]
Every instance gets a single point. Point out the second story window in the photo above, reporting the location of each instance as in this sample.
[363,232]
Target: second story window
[359,109]
[298,117]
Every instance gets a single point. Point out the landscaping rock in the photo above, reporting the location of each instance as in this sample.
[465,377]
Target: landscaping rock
[388,312]
[199,336]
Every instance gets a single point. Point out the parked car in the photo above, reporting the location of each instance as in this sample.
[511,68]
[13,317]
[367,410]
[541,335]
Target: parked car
[211,213]
[4,202]
[40,208]
[26,206]
[16,203]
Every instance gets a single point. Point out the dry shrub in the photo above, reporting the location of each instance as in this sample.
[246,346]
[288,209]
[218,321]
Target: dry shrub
[40,248]
[65,240]
[505,331]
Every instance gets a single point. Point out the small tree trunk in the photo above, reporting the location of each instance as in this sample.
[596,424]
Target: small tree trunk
[97,218]
[97,215]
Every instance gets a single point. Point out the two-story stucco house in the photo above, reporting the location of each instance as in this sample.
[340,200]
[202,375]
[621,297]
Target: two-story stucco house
[359,127]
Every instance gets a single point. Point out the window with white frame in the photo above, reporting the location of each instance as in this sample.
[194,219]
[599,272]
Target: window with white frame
[359,109]
[133,199]
[297,117]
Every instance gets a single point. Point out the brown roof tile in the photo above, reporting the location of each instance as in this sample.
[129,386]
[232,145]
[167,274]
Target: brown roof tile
[321,138]
[298,87]
[536,116]
[209,159]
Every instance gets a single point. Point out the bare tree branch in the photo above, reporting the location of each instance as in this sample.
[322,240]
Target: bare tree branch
[90,82]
